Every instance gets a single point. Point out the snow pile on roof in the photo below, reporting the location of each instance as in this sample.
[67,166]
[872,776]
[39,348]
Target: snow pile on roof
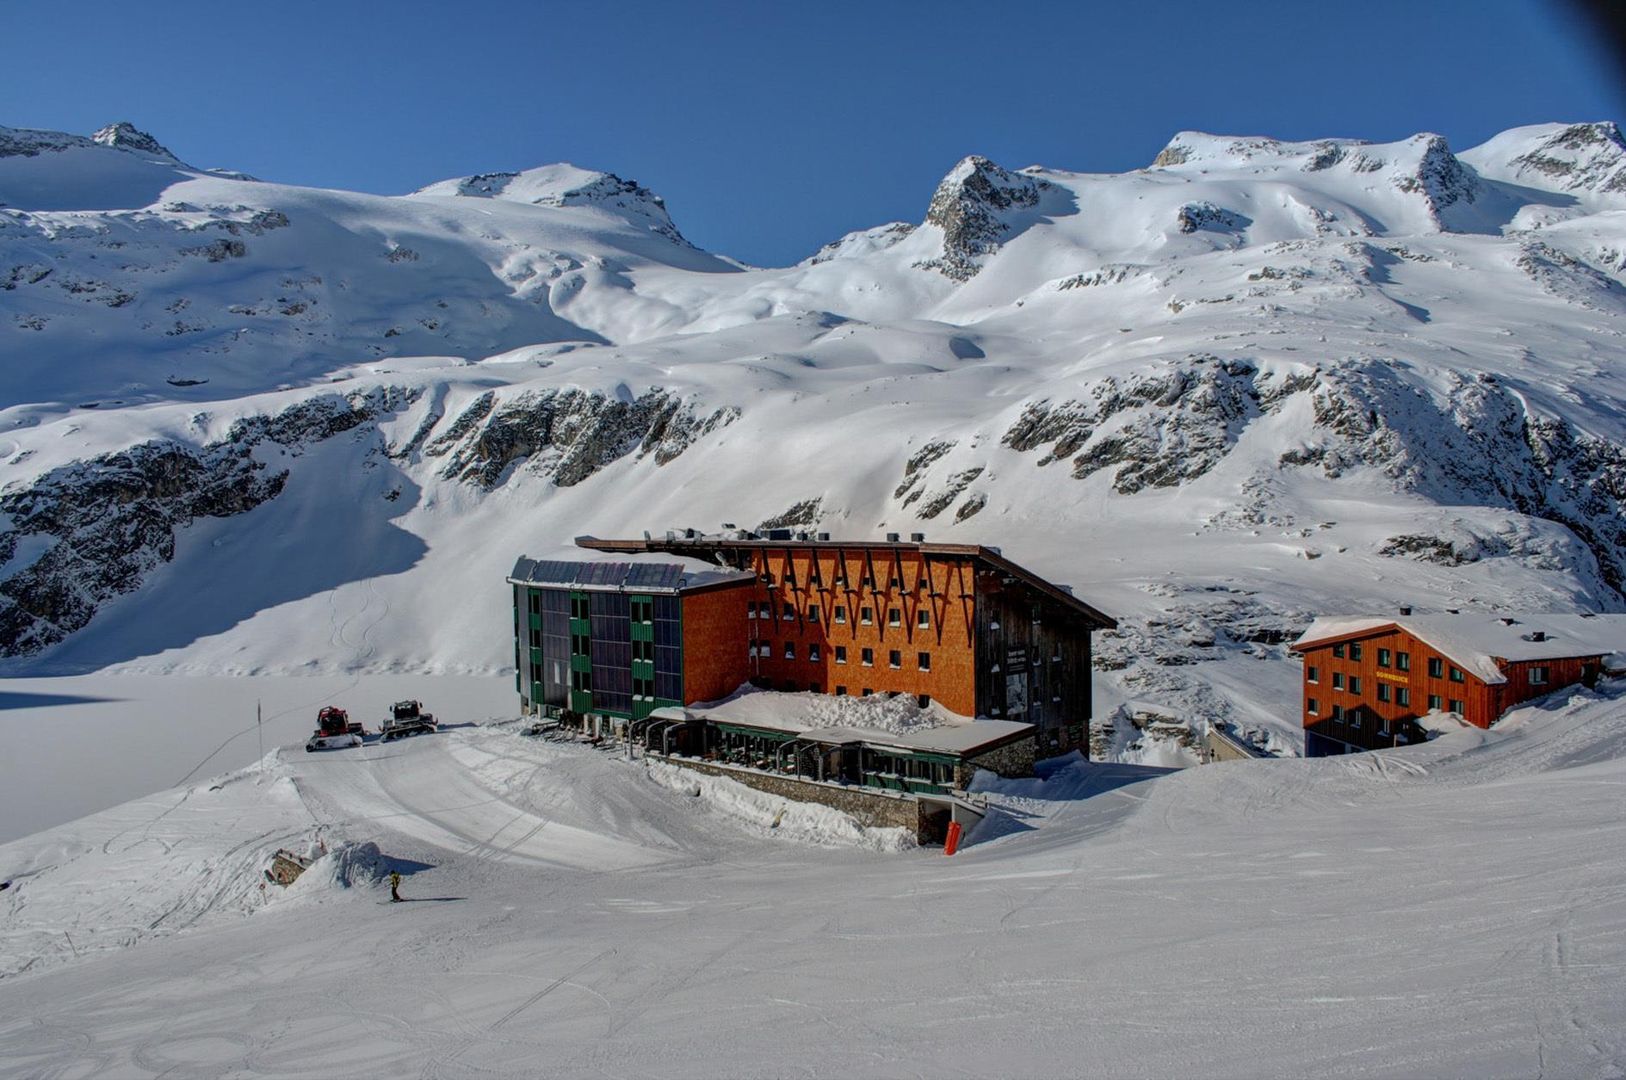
[892,719]
[643,572]
[1482,642]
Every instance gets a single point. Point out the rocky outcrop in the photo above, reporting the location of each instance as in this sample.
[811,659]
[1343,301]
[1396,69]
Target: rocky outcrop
[85,533]
[568,434]
[1205,215]
[1580,157]
[1438,177]
[126,136]
[971,206]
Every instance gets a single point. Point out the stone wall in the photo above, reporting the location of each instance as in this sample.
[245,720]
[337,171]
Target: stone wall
[870,808]
[1012,759]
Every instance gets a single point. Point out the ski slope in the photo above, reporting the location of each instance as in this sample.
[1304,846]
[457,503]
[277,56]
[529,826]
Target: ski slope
[1456,908]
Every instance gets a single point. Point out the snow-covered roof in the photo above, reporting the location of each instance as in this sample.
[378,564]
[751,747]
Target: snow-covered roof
[880,720]
[1481,642]
[633,573]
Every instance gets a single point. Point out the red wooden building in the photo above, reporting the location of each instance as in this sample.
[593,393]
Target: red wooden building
[1368,680]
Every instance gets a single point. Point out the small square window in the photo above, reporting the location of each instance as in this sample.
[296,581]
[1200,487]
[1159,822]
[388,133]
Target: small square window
[1458,707]
[1434,702]
[894,617]
[1383,691]
[841,613]
[841,654]
[1354,650]
[813,613]
[1402,696]
[868,691]
[1337,680]
[1338,651]
[867,657]
[1436,667]
[1312,674]
[1403,661]
[813,652]
[1337,712]
[1312,707]
[1353,718]
[866,616]
[923,618]
[923,661]
[1538,676]
[1456,675]
[1383,658]
[841,691]
[923,700]
[1354,684]
[894,659]
[750,609]
[790,650]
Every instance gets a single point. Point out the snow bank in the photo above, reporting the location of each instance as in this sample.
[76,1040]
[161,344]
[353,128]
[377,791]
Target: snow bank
[761,812]
[347,866]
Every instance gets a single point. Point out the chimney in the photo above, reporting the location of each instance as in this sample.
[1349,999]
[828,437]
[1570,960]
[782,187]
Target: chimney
[892,538]
[825,537]
[917,538]
[1538,635]
[1405,609]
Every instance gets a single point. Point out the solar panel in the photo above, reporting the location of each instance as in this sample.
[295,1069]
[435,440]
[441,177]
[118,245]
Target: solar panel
[601,573]
[553,572]
[654,576]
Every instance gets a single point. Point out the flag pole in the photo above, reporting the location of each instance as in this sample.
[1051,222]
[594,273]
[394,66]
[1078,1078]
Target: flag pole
[260,733]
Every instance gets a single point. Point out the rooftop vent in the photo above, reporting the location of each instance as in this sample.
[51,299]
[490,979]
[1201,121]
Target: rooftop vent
[917,538]
[892,538]
[1508,620]
[778,534]
[824,536]
[1536,635]
[1405,610]
[729,525]
[689,534]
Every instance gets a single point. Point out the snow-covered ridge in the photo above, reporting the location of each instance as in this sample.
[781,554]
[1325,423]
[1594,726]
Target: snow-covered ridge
[1219,396]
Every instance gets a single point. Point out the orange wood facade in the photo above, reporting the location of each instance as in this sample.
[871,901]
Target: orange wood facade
[1363,719]
[837,603]
[715,661]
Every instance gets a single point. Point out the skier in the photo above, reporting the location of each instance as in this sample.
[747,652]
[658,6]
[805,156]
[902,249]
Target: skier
[395,885]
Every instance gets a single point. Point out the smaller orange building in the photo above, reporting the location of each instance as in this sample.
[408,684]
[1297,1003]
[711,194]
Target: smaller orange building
[1368,680]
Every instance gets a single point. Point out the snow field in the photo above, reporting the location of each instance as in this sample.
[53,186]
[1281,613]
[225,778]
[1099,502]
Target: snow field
[1454,908]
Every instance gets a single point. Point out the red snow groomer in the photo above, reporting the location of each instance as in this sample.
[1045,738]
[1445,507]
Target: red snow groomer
[334,730]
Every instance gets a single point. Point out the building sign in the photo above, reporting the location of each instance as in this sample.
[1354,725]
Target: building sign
[1401,679]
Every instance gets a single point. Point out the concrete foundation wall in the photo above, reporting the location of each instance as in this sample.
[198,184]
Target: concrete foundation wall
[871,809]
[1013,759]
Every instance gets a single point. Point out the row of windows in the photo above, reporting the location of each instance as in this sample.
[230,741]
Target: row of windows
[866,657]
[1402,697]
[1436,667]
[840,580]
[866,616]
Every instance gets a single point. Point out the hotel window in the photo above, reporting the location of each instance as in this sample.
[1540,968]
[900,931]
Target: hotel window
[750,609]
[1436,667]
[841,654]
[1354,650]
[923,700]
[813,652]
[894,659]
[866,616]
[1338,651]
[1337,712]
[1354,684]
[894,617]
[1311,674]
[789,613]
[923,661]
[536,638]
[813,613]
[1312,707]
[1337,681]
[1402,696]
[841,691]
[1456,674]
[868,691]
[790,650]
[1353,718]
[841,613]
[923,618]
[1458,707]
[535,602]
[867,657]
[1538,676]
[1383,691]
[1383,658]
[1403,661]
[1433,702]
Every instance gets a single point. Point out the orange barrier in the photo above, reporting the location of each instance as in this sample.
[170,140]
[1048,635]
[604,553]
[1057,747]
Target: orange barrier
[951,842]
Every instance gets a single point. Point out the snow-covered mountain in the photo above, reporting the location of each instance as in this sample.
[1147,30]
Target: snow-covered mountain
[252,427]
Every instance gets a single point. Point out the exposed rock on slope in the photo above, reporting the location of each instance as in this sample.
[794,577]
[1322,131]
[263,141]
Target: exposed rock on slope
[972,206]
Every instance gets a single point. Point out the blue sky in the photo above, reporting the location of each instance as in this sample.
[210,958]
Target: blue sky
[773,128]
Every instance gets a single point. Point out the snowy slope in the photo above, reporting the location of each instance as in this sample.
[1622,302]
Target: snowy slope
[1447,909]
[1251,384]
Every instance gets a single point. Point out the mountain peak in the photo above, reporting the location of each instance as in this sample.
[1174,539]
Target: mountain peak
[124,135]
[562,185]
[1588,157]
[971,206]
